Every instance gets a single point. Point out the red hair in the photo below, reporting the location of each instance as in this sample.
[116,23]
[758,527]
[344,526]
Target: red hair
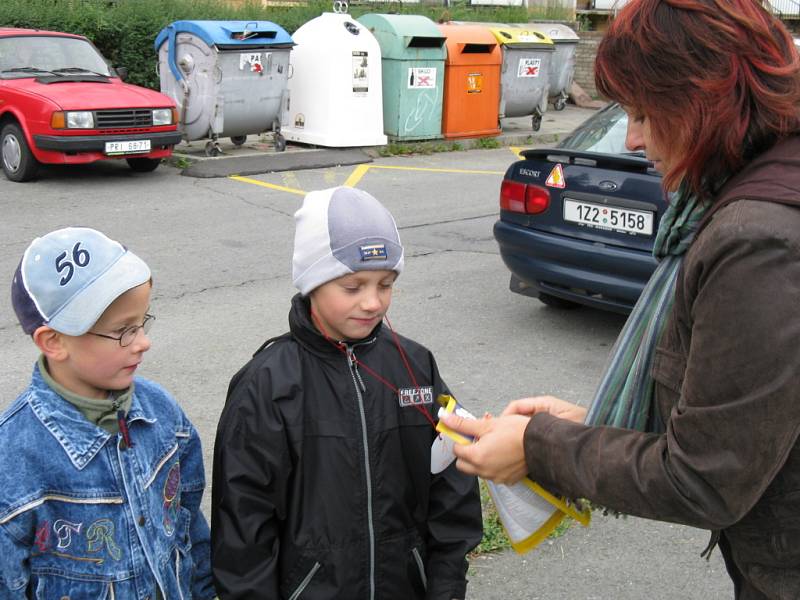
[721,77]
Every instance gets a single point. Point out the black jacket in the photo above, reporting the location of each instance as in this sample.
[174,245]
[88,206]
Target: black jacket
[322,485]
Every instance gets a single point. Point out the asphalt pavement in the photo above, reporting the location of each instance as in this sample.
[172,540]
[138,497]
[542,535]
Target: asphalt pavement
[220,251]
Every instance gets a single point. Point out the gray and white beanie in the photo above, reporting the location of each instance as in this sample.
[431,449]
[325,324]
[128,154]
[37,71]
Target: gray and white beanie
[339,231]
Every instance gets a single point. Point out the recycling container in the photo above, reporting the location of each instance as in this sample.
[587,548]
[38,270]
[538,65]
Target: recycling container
[471,82]
[524,83]
[412,68]
[227,78]
[562,69]
[334,90]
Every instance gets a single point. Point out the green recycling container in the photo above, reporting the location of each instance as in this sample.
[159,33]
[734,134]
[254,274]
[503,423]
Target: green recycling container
[413,52]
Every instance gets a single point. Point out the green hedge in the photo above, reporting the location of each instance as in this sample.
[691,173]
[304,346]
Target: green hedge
[124,30]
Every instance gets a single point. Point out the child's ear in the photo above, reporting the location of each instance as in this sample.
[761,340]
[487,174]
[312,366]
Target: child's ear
[50,342]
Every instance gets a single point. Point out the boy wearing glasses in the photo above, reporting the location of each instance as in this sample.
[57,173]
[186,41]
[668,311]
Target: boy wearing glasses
[323,486]
[101,473]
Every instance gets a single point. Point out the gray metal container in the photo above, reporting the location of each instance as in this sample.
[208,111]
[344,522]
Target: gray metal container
[227,78]
[562,69]
[524,82]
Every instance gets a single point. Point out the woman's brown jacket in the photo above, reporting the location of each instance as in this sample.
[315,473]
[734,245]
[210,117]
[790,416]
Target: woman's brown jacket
[727,386]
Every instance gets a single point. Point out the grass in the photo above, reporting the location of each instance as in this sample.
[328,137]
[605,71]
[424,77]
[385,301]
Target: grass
[181,162]
[488,143]
[400,149]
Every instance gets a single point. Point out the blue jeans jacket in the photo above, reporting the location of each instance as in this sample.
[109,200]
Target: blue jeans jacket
[84,516]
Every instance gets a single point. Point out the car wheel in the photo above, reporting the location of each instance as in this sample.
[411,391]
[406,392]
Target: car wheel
[143,165]
[19,163]
[556,302]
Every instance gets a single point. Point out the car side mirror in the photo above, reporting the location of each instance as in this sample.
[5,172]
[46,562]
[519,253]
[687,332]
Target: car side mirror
[122,72]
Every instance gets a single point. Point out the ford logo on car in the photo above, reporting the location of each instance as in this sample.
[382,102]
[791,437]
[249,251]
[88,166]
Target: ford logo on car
[607,186]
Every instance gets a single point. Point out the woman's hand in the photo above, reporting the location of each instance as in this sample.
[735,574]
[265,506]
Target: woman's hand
[498,453]
[549,404]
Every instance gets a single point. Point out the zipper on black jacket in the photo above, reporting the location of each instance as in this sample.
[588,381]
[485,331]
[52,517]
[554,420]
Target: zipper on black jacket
[358,383]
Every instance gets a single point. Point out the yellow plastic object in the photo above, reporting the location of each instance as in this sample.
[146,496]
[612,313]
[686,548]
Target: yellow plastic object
[449,404]
[544,510]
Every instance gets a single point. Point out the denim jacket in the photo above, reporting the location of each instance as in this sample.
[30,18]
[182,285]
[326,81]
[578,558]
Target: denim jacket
[84,516]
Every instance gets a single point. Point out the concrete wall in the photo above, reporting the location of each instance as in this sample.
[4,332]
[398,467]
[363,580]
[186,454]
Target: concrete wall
[584,60]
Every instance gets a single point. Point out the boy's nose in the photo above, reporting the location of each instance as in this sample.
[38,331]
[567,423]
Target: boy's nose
[371,301]
[142,342]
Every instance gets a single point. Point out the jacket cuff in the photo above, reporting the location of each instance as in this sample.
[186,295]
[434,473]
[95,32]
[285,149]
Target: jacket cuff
[543,437]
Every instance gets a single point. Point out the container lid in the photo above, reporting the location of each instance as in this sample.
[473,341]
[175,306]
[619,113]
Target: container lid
[521,36]
[556,31]
[471,45]
[406,36]
[230,35]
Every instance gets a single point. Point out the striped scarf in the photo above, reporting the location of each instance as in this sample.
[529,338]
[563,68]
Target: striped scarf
[625,395]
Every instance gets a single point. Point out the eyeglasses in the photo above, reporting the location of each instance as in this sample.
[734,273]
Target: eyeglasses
[129,334]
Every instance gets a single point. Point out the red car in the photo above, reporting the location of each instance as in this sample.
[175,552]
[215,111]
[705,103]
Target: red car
[61,103]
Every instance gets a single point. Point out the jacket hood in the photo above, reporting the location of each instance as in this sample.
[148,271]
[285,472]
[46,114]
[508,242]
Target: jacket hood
[773,176]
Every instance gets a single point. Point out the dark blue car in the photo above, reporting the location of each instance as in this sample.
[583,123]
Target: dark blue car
[578,221]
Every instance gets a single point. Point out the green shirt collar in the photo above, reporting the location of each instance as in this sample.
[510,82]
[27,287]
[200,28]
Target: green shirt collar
[102,413]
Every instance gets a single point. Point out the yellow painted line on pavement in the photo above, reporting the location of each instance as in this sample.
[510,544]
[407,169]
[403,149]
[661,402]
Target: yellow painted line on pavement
[468,171]
[518,150]
[361,170]
[272,186]
[356,175]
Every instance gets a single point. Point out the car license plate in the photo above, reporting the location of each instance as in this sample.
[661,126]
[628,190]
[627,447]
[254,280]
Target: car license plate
[128,147]
[608,217]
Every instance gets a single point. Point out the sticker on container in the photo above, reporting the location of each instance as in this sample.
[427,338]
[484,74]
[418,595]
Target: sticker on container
[421,77]
[527,37]
[529,67]
[556,178]
[474,83]
[360,72]
[251,61]
[299,120]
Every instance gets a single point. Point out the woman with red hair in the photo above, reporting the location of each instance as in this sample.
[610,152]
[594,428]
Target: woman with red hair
[697,417]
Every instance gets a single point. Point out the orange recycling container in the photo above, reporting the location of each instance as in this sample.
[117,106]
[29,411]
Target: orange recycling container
[471,82]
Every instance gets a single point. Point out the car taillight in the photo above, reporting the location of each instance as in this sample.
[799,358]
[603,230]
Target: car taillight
[537,199]
[512,196]
[523,198]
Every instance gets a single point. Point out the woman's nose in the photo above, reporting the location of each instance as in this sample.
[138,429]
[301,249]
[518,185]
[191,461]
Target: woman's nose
[634,140]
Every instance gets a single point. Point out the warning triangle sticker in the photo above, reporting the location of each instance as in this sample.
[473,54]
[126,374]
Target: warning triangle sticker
[556,178]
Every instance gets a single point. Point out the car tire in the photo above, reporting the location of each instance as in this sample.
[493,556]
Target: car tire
[556,302]
[18,161]
[143,165]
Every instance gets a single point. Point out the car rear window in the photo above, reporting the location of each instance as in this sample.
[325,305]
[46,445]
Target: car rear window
[604,132]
